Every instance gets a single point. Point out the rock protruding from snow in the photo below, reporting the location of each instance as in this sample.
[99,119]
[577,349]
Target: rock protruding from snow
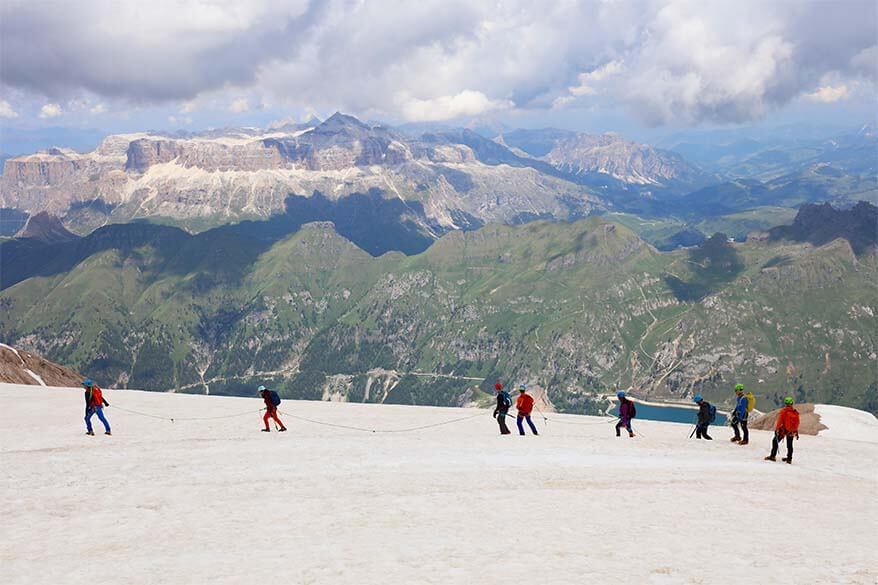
[839,422]
[22,367]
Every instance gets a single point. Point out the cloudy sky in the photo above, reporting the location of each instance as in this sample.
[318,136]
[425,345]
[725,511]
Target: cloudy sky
[600,64]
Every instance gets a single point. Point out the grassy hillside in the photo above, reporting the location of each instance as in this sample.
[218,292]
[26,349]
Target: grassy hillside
[574,308]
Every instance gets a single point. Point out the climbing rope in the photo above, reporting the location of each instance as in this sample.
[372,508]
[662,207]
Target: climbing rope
[188,418]
[370,430]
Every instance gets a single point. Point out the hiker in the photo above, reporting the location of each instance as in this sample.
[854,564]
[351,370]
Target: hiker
[524,405]
[504,401]
[272,401]
[706,415]
[626,413]
[94,404]
[786,427]
[740,415]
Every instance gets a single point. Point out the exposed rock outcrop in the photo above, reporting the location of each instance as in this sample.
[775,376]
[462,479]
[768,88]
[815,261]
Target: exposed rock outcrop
[22,367]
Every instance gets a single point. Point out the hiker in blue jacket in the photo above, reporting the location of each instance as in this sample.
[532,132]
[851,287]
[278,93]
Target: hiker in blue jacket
[739,416]
[704,416]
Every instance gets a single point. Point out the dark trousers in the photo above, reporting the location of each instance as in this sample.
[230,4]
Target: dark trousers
[774,445]
[623,423]
[501,420]
[743,424]
[701,431]
[530,423]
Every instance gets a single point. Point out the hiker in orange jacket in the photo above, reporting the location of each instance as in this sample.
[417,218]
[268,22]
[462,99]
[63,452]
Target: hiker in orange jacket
[524,405]
[787,427]
[94,405]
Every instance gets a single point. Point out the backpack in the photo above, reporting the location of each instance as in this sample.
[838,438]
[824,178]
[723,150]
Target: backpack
[711,413]
[506,400]
[275,399]
[632,411]
[751,402]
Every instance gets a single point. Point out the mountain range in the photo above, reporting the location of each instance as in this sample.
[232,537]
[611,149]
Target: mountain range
[575,308]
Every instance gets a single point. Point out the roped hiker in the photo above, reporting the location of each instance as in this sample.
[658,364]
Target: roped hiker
[504,402]
[740,415]
[627,412]
[524,405]
[786,427]
[272,401]
[94,404]
[706,415]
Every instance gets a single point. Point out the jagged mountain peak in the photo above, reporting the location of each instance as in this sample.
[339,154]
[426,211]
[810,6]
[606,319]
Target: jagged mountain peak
[339,122]
[47,228]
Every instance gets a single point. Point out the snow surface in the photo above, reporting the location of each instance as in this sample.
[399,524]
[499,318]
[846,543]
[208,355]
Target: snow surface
[847,423]
[220,502]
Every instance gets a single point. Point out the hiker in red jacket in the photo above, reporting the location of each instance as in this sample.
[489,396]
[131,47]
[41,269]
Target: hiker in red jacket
[272,400]
[786,427]
[94,405]
[524,405]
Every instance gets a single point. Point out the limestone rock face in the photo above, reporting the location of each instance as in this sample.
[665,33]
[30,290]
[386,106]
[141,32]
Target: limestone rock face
[448,181]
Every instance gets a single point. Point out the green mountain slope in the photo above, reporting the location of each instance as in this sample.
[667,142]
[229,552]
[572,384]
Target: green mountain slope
[576,309]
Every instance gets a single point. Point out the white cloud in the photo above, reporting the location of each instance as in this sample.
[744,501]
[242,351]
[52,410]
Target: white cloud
[828,94]
[180,120]
[98,109]
[447,107]
[239,105]
[50,111]
[669,61]
[6,110]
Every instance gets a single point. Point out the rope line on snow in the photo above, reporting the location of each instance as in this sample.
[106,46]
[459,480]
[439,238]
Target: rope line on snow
[188,418]
[370,430]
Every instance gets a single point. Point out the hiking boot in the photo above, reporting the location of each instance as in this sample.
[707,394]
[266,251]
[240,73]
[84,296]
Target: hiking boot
[108,433]
[266,430]
[742,443]
[770,458]
[631,434]
[282,430]
[90,433]
[787,460]
[735,439]
[618,434]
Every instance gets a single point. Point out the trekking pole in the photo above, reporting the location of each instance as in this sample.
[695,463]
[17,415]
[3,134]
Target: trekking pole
[695,426]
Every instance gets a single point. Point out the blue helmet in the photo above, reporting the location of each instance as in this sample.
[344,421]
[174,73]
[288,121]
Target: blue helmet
[620,394]
[88,383]
[698,398]
[261,388]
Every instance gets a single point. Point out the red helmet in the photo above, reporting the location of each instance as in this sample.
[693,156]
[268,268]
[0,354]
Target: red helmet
[498,386]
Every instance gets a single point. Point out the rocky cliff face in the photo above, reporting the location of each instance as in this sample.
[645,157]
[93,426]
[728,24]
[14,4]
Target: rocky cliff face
[22,367]
[203,180]
[606,154]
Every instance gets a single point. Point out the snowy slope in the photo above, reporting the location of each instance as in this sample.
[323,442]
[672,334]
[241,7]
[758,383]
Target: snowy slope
[219,502]
[847,423]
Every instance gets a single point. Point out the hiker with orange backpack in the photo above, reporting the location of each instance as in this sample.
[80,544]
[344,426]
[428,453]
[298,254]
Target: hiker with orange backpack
[524,405]
[786,427]
[94,405]
[272,401]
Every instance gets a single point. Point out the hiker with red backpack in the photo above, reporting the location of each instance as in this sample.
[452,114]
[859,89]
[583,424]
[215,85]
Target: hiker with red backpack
[272,401]
[504,402]
[627,412]
[524,405]
[94,405]
[786,427]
